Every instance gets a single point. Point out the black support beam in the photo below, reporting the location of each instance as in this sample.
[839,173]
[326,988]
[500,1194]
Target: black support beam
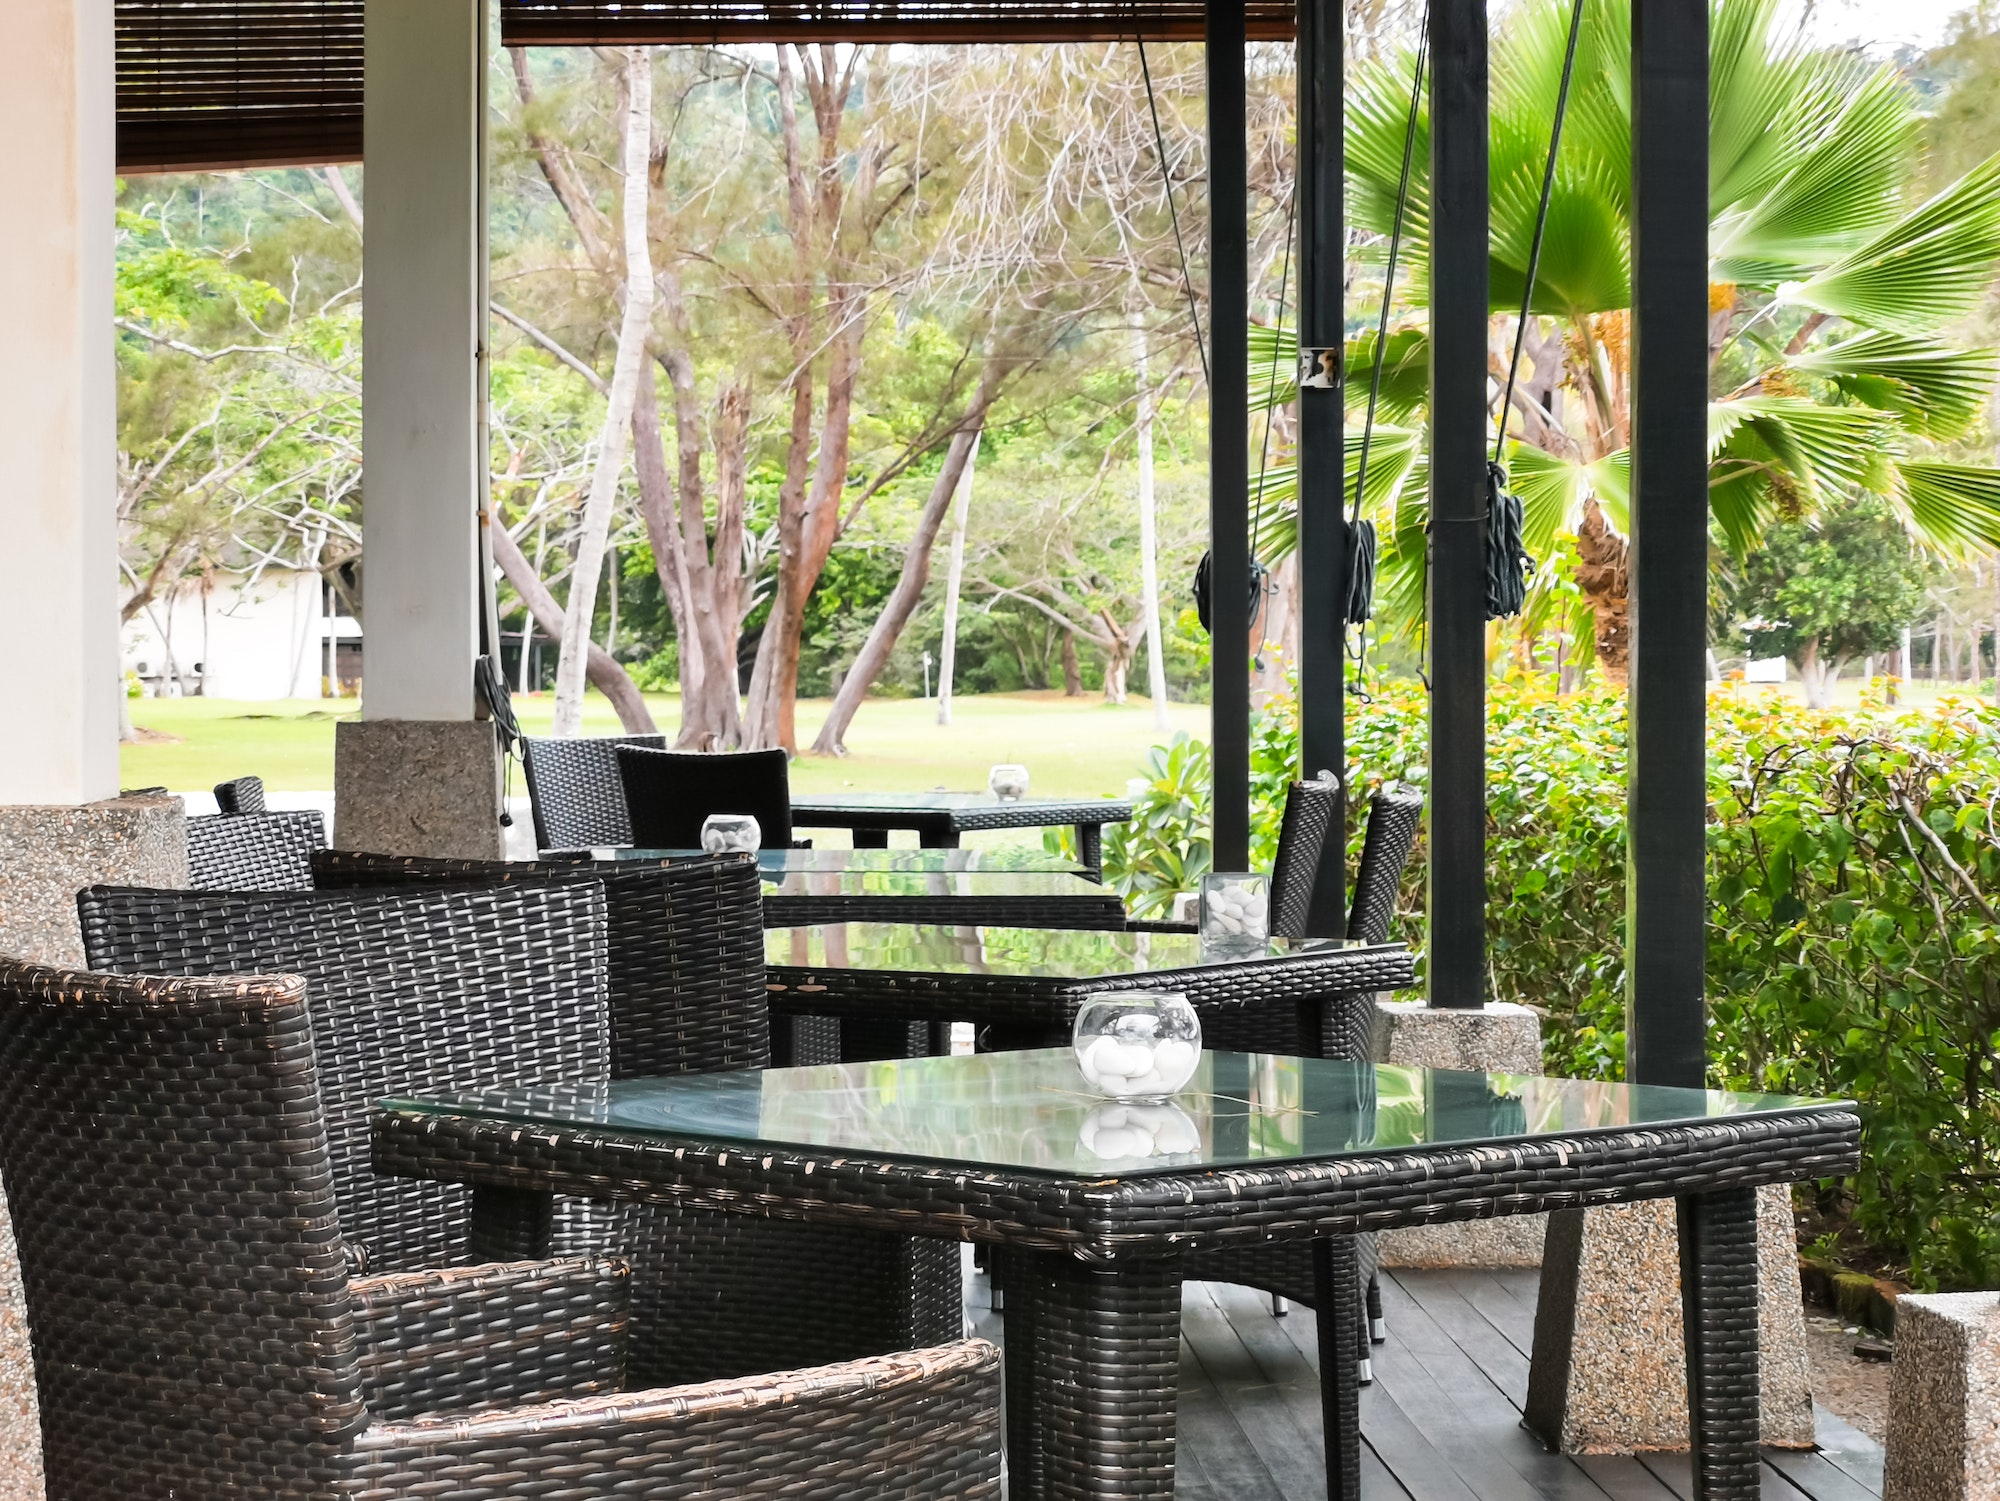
[1322,524]
[1229,432]
[1666,796]
[1460,438]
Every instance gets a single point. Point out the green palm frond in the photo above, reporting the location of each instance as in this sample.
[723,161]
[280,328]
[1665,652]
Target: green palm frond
[1274,365]
[1954,508]
[1821,447]
[1393,457]
[1932,267]
[1406,375]
[1839,191]
[1760,100]
[1936,391]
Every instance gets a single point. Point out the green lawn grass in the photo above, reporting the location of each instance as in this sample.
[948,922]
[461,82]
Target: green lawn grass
[1070,745]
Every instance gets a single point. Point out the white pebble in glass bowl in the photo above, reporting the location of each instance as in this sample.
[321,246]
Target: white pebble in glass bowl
[722,833]
[1235,913]
[1136,1045]
[1008,781]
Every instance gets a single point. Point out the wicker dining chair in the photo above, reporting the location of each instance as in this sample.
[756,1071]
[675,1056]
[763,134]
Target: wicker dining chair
[241,795]
[573,785]
[254,851]
[197,1329]
[669,793]
[410,990]
[715,1295]
[1310,809]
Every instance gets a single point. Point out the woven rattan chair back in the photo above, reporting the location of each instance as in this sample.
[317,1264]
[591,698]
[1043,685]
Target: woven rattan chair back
[716,1295]
[254,851]
[1394,814]
[669,793]
[172,1196]
[573,785]
[685,952]
[1310,809]
[241,795]
[423,989]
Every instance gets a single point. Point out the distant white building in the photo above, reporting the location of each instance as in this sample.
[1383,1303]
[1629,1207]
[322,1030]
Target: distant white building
[278,635]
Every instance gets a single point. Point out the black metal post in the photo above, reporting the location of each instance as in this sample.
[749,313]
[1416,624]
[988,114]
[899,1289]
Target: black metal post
[1666,796]
[1322,521]
[1460,438]
[1229,432]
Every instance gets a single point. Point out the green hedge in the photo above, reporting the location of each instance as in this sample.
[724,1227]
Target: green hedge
[1854,938]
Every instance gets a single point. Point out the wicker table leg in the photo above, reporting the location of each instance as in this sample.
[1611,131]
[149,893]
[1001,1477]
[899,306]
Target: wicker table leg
[1105,1375]
[1015,1271]
[937,837]
[1337,1312]
[871,839]
[1718,1235]
[510,1224]
[1090,849]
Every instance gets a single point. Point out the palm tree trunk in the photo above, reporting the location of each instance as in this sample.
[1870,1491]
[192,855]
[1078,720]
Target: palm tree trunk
[1604,576]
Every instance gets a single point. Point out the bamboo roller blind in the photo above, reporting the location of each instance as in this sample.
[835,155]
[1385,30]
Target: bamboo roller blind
[209,84]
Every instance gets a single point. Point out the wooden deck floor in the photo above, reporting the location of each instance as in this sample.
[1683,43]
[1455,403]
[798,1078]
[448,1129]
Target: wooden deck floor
[1441,1422]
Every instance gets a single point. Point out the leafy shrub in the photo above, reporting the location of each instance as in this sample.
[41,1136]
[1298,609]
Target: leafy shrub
[1854,937]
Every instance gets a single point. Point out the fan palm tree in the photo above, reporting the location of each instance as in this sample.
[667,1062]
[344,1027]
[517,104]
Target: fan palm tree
[1830,300]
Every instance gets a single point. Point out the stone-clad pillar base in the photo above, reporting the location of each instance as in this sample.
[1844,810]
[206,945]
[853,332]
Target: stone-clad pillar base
[49,854]
[1944,1399]
[1609,1373]
[1497,1038]
[417,787]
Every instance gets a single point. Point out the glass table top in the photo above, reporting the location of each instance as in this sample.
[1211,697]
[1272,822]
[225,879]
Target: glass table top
[928,948]
[1032,1112]
[784,862]
[946,802]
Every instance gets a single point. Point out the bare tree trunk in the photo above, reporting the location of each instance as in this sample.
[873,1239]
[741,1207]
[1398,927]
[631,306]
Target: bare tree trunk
[1817,675]
[952,479]
[1072,672]
[1117,658]
[953,581]
[606,675]
[571,663]
[1149,536]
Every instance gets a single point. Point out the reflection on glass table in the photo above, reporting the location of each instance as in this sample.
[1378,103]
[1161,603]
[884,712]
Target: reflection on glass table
[1031,1112]
[932,949]
[1019,858]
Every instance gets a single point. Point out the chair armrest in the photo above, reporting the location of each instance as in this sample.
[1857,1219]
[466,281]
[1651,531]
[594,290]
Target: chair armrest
[922,1422]
[503,1334]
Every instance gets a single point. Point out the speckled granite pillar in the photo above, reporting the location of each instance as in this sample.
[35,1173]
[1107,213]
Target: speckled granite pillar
[417,787]
[1497,1038]
[20,1424]
[49,854]
[1609,1373]
[1944,1399]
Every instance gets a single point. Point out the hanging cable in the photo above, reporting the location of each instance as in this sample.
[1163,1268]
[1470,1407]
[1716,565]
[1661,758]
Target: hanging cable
[1508,564]
[1173,212]
[1362,545]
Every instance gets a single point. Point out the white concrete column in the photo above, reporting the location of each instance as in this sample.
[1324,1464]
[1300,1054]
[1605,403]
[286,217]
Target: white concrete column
[424,336]
[58,406]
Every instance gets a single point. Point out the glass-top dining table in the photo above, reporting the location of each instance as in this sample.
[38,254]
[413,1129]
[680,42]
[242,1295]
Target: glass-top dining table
[940,818]
[1096,1210]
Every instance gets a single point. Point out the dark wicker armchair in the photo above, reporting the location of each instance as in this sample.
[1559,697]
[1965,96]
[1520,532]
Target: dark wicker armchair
[442,989]
[197,1331]
[254,851]
[713,1294]
[573,784]
[241,795]
[1310,809]
[669,793]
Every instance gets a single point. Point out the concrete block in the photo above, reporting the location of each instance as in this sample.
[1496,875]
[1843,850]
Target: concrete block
[417,787]
[1497,1038]
[49,854]
[1944,1399]
[1609,1373]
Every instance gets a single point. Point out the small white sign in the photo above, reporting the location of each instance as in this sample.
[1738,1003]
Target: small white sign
[1764,670]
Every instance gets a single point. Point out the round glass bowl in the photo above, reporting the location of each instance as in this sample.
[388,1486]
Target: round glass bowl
[1008,782]
[723,833]
[1235,913]
[1138,1046]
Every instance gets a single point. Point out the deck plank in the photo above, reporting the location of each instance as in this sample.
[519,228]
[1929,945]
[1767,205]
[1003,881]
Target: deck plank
[1442,1422]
